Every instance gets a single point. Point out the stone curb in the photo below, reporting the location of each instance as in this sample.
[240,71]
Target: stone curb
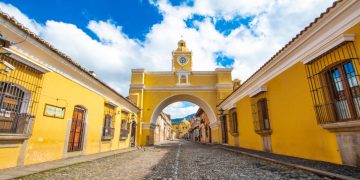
[291,165]
[18,172]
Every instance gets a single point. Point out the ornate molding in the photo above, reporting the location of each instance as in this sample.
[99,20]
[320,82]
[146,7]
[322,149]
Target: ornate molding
[181,88]
[137,86]
[224,86]
[338,40]
[346,126]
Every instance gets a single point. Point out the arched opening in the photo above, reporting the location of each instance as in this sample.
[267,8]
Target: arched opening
[195,127]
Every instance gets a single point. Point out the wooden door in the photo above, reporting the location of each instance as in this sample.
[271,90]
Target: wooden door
[224,130]
[77,130]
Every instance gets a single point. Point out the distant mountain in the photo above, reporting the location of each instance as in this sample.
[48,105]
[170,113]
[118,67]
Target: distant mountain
[178,120]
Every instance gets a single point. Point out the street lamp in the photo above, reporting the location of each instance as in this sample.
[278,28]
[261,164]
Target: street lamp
[221,111]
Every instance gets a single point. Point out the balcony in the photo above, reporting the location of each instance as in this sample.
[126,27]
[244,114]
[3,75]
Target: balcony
[108,133]
[16,126]
[123,134]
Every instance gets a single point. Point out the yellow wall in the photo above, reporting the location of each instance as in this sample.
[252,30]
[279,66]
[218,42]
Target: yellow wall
[9,156]
[149,99]
[216,135]
[48,138]
[247,136]
[293,120]
[356,31]
[295,131]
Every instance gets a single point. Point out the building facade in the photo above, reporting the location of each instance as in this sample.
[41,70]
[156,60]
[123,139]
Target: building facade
[193,133]
[163,129]
[304,101]
[52,108]
[204,127]
[181,129]
[153,91]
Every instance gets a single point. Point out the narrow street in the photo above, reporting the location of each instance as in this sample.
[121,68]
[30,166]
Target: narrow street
[176,160]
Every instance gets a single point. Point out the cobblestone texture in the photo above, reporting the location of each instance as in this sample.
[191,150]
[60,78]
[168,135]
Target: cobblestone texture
[176,160]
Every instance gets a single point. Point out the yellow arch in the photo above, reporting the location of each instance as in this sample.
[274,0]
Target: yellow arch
[184,97]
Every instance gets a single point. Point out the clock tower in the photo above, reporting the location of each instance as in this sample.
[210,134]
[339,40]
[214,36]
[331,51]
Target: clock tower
[181,57]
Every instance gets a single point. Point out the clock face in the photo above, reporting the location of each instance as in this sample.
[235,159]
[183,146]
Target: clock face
[182,60]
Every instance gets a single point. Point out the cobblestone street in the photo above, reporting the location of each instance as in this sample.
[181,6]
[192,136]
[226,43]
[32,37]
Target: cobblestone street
[176,160]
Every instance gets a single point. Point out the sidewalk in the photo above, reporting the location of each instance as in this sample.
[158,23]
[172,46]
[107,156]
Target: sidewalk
[331,170]
[17,172]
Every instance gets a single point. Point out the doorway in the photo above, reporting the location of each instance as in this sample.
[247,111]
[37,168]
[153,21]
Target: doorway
[133,134]
[77,129]
[224,130]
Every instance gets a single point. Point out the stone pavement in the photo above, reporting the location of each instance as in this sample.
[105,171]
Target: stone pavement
[16,172]
[176,160]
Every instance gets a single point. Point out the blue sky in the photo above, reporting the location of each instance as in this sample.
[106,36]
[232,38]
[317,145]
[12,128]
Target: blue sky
[135,16]
[127,34]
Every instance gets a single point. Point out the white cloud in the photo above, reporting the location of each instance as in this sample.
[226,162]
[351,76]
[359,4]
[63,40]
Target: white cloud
[180,109]
[31,24]
[113,54]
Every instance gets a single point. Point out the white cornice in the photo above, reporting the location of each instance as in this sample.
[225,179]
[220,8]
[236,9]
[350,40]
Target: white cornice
[203,72]
[224,86]
[258,91]
[173,88]
[137,86]
[173,72]
[30,61]
[181,88]
[346,14]
[338,40]
[160,72]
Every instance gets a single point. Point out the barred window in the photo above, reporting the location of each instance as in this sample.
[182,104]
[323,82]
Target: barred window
[124,130]
[19,96]
[260,113]
[108,129]
[263,114]
[334,83]
[233,121]
[123,124]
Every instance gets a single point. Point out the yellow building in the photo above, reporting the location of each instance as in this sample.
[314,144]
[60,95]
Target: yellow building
[181,128]
[304,101]
[152,91]
[51,107]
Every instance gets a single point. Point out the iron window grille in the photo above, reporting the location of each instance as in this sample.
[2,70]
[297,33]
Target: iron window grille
[19,97]
[108,129]
[123,131]
[334,84]
[261,120]
[233,121]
